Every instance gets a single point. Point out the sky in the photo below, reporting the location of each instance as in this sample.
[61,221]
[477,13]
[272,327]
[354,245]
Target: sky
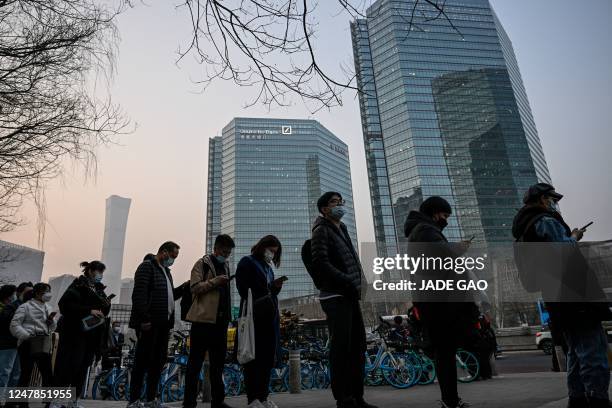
[565,59]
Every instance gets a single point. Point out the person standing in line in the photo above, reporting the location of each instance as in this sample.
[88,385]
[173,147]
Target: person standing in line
[32,325]
[255,272]
[24,293]
[209,315]
[9,362]
[112,356]
[152,317]
[580,323]
[83,299]
[447,323]
[337,263]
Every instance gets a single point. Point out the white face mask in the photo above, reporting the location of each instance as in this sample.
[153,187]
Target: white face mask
[46,297]
[268,256]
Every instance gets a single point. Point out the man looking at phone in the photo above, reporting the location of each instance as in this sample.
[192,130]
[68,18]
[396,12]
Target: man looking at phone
[209,315]
[152,317]
[588,374]
[337,263]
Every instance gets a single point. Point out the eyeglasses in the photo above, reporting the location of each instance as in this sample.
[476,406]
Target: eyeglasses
[337,201]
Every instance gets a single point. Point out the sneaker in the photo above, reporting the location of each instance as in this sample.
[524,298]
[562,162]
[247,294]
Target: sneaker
[269,404]
[256,404]
[75,404]
[463,404]
[55,404]
[135,404]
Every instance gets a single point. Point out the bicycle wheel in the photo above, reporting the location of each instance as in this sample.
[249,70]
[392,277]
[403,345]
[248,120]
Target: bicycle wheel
[320,378]
[467,366]
[99,388]
[121,387]
[173,389]
[307,377]
[232,381]
[413,359]
[397,372]
[278,379]
[428,370]
[374,377]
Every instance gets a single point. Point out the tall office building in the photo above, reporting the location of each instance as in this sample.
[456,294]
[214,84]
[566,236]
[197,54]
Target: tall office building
[117,210]
[213,203]
[444,112]
[272,173]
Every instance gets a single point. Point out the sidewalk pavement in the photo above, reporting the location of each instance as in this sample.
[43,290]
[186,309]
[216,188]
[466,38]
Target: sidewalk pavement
[532,390]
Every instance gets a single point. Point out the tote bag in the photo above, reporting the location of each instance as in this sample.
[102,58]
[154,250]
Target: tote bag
[246,333]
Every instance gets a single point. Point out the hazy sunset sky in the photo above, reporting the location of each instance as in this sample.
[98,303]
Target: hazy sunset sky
[564,53]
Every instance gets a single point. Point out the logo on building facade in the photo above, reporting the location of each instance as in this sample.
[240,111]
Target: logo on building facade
[286,130]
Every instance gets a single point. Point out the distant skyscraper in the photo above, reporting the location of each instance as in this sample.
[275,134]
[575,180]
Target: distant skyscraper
[20,264]
[272,173]
[213,204]
[117,210]
[444,112]
[125,294]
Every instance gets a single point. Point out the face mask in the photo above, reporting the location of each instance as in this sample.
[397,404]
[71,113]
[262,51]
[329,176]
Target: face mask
[116,329]
[552,206]
[442,223]
[220,258]
[169,262]
[46,297]
[268,256]
[338,212]
[98,277]
[13,298]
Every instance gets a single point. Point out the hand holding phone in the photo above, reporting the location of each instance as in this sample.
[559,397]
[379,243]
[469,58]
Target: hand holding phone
[587,226]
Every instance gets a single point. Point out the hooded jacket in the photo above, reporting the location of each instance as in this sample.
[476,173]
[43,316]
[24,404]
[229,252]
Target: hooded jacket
[422,228]
[150,294]
[524,223]
[335,258]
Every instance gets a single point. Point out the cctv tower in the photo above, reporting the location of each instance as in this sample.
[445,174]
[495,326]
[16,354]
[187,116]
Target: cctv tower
[117,210]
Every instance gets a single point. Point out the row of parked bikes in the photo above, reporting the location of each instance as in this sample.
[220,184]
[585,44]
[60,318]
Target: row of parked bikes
[401,364]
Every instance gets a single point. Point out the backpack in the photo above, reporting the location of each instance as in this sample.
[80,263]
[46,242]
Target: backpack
[524,259]
[315,275]
[186,300]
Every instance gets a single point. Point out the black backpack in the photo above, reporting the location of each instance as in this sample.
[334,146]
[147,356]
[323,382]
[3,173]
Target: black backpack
[524,258]
[317,279]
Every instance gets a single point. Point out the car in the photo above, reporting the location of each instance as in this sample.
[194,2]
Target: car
[544,342]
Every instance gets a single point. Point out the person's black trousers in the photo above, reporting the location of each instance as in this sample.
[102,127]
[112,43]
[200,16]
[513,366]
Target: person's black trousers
[75,354]
[347,347]
[27,361]
[150,357]
[257,372]
[212,338]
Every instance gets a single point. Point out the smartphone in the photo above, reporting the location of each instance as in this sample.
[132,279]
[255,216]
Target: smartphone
[473,236]
[111,296]
[283,278]
[587,226]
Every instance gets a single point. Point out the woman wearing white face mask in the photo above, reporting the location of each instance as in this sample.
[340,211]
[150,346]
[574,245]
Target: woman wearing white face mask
[32,325]
[255,272]
[84,299]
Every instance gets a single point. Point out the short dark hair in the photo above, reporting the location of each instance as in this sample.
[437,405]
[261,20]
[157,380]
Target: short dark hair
[266,242]
[224,241]
[323,201]
[168,246]
[40,287]
[92,266]
[6,291]
[435,205]
[21,287]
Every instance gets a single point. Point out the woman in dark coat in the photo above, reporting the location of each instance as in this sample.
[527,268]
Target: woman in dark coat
[255,272]
[77,346]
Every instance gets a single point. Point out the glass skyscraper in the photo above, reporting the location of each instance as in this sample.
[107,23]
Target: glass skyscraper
[265,176]
[444,112]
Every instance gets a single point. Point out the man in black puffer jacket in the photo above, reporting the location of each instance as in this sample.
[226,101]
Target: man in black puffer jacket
[337,263]
[152,317]
[447,323]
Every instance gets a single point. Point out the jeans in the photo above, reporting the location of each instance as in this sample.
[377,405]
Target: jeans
[150,357]
[9,368]
[212,338]
[588,372]
[347,348]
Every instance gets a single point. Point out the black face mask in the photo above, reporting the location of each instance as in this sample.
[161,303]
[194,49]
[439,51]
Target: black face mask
[442,223]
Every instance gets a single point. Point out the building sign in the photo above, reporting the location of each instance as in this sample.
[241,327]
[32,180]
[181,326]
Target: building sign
[286,130]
